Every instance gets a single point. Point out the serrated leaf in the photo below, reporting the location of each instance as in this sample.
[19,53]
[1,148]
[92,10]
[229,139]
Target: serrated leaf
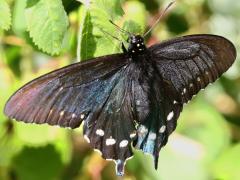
[5,15]
[93,40]
[47,23]
[87,43]
[112,8]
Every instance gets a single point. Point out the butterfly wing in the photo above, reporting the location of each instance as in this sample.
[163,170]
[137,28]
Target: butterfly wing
[111,129]
[66,96]
[98,92]
[159,123]
[189,63]
[182,66]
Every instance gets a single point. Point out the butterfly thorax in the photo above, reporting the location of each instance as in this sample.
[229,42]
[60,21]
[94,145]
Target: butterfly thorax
[136,46]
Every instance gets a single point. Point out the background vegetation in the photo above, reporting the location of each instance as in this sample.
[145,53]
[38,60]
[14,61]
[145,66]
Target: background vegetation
[37,36]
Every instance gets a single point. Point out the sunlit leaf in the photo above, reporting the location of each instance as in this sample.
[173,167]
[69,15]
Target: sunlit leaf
[19,22]
[95,29]
[87,44]
[135,12]
[47,23]
[5,16]
[31,3]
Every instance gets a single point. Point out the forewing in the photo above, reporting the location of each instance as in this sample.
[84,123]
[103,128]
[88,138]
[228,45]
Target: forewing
[188,64]
[66,96]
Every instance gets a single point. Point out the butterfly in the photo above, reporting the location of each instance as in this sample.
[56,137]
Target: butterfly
[130,99]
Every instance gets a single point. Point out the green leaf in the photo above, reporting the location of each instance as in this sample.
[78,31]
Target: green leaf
[136,13]
[47,24]
[132,26]
[111,8]
[32,134]
[86,41]
[19,22]
[5,15]
[38,163]
[31,3]
[93,40]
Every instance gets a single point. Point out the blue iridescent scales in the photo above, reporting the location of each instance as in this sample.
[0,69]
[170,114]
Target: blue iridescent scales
[126,100]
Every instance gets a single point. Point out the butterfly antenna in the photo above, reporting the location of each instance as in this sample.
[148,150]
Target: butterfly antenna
[105,32]
[120,29]
[160,17]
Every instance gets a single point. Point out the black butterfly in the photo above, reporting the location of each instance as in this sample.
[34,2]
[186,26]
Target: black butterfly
[128,99]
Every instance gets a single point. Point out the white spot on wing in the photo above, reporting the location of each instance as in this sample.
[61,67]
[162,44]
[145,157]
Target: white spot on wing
[184,90]
[191,85]
[110,141]
[82,116]
[138,45]
[170,116]
[100,132]
[175,102]
[143,129]
[162,129]
[61,113]
[138,102]
[73,115]
[152,136]
[123,143]
[198,79]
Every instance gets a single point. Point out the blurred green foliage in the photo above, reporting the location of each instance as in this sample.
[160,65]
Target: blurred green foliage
[206,144]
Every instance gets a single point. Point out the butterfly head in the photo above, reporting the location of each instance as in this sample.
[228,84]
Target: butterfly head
[136,45]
